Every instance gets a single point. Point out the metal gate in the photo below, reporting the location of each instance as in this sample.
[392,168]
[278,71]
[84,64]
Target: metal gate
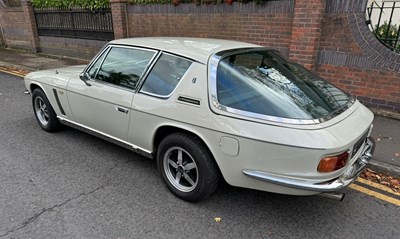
[75,23]
[384,19]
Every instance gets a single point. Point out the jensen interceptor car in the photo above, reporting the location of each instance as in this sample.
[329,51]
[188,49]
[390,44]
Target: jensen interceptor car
[208,110]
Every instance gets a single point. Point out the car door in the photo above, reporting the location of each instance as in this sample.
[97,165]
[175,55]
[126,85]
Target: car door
[103,102]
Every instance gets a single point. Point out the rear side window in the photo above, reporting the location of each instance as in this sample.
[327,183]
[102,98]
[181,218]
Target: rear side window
[122,66]
[165,75]
[265,83]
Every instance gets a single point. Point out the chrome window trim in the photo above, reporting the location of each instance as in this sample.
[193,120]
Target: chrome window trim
[95,58]
[148,70]
[218,108]
[106,51]
[105,54]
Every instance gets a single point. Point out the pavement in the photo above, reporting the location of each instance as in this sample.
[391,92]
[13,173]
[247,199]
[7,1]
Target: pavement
[386,130]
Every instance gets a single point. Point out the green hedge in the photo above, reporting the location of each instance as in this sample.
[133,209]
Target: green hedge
[96,4]
[90,4]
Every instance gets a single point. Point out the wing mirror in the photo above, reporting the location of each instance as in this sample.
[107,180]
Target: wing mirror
[84,76]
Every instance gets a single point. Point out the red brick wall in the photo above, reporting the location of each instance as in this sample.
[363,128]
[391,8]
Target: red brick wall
[15,25]
[329,36]
[336,34]
[306,31]
[322,35]
[119,8]
[72,47]
[19,31]
[265,29]
[352,58]
[261,26]
[373,87]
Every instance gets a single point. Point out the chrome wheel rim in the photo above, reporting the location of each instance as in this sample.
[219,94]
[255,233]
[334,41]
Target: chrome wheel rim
[41,111]
[180,169]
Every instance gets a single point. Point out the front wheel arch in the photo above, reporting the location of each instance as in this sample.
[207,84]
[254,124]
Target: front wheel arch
[44,114]
[34,85]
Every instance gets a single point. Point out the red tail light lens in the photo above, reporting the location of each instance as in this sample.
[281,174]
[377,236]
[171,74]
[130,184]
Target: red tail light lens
[332,163]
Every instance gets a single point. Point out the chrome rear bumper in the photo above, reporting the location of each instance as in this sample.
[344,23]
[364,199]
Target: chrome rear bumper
[334,185]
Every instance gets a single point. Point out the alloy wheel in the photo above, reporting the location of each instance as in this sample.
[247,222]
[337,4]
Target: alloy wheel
[180,169]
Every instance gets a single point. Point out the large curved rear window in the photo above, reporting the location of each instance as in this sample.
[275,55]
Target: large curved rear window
[263,82]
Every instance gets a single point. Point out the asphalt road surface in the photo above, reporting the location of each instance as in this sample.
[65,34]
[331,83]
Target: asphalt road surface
[72,185]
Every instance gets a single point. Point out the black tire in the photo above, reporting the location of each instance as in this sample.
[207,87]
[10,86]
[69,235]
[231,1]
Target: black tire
[196,163]
[44,112]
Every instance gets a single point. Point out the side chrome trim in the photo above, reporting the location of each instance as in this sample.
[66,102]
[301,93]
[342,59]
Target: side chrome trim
[106,137]
[58,101]
[343,181]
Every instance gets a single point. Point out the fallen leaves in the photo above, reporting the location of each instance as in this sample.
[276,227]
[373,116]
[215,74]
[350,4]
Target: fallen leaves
[217,219]
[380,138]
[14,70]
[389,181]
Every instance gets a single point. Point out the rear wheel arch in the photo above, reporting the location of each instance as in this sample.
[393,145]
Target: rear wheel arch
[166,130]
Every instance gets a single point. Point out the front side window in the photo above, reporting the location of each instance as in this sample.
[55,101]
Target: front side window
[165,75]
[263,82]
[122,66]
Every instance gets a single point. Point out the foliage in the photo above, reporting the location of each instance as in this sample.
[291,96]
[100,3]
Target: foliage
[389,35]
[96,4]
[388,181]
[89,4]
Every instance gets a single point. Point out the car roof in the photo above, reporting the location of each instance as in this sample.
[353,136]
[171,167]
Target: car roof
[199,49]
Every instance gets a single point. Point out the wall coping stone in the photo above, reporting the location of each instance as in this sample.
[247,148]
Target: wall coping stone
[346,6]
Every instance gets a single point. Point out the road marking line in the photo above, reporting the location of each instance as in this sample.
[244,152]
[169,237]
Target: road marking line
[377,185]
[11,73]
[375,194]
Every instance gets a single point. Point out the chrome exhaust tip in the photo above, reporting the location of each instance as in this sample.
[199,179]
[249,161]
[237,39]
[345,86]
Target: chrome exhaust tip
[335,196]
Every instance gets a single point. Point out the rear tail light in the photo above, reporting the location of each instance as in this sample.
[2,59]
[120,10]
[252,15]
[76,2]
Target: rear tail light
[332,163]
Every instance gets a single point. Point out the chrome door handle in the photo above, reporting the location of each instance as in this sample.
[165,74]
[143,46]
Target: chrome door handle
[121,109]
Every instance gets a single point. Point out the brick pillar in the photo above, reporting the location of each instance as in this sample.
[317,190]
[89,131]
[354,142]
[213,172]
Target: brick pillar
[306,31]
[31,29]
[2,40]
[120,25]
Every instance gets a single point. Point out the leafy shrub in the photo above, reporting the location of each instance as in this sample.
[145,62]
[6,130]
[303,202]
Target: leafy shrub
[90,4]
[389,35]
[96,4]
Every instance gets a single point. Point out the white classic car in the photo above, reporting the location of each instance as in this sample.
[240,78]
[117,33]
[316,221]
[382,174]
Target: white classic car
[207,109]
